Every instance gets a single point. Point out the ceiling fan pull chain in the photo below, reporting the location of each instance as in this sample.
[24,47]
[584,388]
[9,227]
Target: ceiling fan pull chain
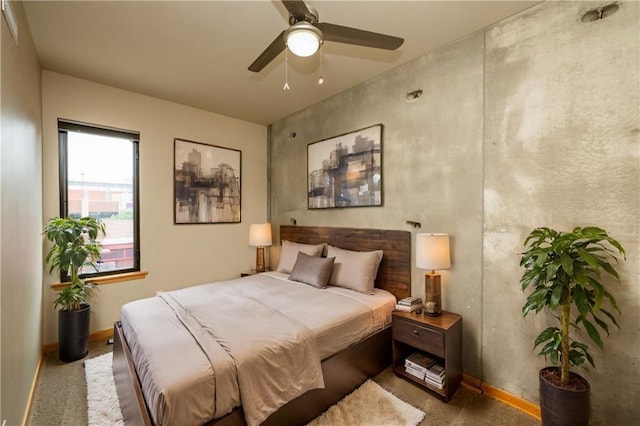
[320,79]
[286,69]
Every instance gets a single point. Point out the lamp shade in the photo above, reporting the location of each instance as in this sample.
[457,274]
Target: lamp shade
[303,39]
[432,251]
[260,234]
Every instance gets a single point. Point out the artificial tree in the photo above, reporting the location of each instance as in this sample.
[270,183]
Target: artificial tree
[566,270]
[74,246]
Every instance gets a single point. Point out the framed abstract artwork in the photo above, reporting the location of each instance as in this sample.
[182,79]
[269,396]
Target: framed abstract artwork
[206,183]
[346,170]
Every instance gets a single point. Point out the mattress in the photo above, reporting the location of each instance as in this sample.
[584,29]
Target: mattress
[176,375]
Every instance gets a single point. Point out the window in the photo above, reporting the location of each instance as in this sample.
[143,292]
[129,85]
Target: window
[99,179]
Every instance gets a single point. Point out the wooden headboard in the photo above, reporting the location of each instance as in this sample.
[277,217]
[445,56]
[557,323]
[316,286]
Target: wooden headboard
[394,273]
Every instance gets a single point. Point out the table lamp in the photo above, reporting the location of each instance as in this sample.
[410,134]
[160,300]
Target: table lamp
[260,236]
[432,252]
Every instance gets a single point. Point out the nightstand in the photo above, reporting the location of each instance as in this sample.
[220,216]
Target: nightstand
[439,338]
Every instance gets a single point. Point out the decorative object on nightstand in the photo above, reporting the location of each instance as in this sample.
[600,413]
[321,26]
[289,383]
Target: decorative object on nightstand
[432,252]
[260,236]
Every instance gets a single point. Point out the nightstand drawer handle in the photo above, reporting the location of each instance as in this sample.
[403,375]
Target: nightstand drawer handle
[416,332]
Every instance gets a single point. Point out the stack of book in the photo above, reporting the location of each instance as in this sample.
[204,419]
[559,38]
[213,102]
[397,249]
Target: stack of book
[409,304]
[435,375]
[425,368]
[417,364]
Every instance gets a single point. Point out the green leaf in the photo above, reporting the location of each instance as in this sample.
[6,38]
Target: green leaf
[611,317]
[576,358]
[601,323]
[556,297]
[547,334]
[588,257]
[593,333]
[567,264]
[580,300]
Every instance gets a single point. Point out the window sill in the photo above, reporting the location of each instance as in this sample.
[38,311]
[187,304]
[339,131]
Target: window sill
[108,279]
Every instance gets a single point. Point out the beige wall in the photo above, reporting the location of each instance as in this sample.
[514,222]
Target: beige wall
[1,417]
[174,255]
[21,219]
[533,122]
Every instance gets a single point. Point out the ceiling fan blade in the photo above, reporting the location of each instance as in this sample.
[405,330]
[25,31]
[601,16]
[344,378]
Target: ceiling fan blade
[299,10]
[358,37]
[269,54]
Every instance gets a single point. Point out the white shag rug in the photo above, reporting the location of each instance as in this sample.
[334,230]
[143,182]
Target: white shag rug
[369,405]
[103,408]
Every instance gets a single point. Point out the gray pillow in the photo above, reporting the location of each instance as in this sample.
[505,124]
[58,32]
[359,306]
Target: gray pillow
[312,270]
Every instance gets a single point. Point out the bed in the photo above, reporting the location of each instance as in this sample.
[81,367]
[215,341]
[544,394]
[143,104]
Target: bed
[344,364]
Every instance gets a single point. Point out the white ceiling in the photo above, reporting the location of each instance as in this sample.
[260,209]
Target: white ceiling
[197,53]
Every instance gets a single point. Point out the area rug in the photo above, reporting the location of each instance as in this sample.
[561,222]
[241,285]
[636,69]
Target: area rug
[103,407]
[369,405]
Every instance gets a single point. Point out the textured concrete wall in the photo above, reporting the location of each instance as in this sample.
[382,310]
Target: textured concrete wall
[432,166]
[561,149]
[531,122]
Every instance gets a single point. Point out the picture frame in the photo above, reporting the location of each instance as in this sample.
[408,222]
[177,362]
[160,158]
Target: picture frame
[346,170]
[207,183]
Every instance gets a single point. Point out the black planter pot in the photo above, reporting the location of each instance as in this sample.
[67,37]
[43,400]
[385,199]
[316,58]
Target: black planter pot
[563,407]
[73,333]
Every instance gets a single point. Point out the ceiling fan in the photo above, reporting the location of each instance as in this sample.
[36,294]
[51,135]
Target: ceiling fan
[306,34]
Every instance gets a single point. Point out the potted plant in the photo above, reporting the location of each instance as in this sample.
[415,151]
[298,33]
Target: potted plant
[566,270]
[74,246]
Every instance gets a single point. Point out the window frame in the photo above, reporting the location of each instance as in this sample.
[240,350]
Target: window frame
[66,126]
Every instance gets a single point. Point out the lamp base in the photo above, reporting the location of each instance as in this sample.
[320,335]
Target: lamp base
[260,259]
[432,299]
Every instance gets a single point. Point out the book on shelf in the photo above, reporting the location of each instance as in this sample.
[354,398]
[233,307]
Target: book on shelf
[420,361]
[415,373]
[415,367]
[435,377]
[410,301]
[435,374]
[404,308]
[436,369]
[436,383]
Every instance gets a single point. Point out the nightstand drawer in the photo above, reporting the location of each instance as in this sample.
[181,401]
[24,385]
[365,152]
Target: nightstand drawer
[419,337]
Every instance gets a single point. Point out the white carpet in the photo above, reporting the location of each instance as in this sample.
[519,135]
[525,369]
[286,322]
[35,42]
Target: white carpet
[369,405]
[103,408]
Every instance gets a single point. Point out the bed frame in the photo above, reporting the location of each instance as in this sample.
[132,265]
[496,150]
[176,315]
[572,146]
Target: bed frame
[343,372]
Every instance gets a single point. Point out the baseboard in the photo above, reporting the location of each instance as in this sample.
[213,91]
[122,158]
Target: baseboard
[93,337]
[503,396]
[36,377]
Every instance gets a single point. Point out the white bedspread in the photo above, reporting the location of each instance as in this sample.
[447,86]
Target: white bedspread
[178,381]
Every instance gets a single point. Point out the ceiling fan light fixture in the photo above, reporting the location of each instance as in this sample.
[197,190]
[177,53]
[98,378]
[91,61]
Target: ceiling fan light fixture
[303,39]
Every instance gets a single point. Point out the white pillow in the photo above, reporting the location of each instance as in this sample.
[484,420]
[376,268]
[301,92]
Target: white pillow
[355,270]
[289,254]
